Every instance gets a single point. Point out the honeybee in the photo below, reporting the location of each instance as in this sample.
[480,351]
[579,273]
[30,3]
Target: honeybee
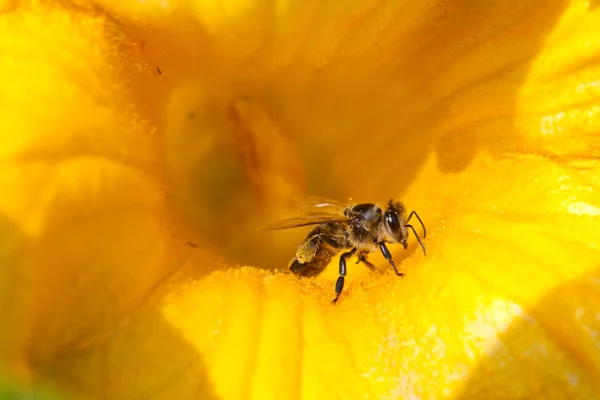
[354,229]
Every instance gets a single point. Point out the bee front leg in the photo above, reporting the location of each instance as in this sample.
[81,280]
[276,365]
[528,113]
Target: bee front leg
[388,256]
[339,284]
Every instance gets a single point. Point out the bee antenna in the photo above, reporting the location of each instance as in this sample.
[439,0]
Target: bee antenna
[421,222]
[418,238]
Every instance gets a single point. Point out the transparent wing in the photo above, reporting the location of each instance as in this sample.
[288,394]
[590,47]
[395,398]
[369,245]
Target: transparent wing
[314,219]
[322,202]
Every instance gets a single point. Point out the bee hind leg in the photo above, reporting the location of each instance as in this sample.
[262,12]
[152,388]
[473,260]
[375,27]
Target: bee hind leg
[339,284]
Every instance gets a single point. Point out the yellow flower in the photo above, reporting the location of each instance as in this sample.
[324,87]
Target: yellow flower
[143,142]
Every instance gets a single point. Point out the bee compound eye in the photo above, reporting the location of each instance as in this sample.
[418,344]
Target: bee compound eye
[392,221]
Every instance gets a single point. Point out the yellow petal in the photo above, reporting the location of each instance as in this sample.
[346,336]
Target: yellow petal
[483,119]
[84,229]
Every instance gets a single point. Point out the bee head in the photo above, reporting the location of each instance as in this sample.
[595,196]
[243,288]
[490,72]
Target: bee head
[394,223]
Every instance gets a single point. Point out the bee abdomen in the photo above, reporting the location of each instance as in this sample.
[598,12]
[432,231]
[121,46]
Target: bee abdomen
[296,266]
[316,265]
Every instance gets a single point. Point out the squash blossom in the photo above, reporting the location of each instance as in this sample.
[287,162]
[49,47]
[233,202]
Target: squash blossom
[143,142]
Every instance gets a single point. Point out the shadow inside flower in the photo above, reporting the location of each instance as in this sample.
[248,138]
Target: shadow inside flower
[496,52]
[14,297]
[144,357]
[565,365]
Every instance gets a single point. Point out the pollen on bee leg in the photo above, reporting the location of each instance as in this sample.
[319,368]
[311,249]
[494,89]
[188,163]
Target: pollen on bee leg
[270,159]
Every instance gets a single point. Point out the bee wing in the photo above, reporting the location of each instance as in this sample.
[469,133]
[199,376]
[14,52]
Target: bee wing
[322,202]
[313,219]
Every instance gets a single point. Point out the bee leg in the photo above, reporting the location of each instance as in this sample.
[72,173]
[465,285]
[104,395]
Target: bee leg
[388,256]
[339,284]
[362,258]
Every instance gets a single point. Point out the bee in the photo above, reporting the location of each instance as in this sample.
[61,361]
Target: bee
[351,229]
